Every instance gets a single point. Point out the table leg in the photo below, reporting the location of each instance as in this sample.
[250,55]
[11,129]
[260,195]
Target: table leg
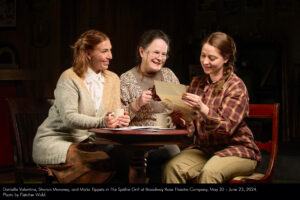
[138,164]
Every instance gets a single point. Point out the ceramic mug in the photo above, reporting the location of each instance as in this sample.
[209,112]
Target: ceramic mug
[163,120]
[118,112]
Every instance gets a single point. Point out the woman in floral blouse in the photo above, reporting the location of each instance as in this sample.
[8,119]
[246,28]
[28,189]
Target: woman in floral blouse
[151,53]
[225,145]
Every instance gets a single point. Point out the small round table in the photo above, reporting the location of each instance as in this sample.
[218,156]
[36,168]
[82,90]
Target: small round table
[139,142]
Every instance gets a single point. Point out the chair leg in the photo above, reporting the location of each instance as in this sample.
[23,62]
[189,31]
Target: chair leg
[18,178]
[48,179]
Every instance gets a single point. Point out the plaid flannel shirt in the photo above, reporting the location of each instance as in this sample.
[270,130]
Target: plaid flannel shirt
[223,131]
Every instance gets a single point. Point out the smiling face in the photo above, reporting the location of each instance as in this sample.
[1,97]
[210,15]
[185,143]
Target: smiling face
[154,56]
[212,62]
[100,56]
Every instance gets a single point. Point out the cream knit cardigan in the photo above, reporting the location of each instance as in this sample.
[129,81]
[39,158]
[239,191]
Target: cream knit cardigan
[71,115]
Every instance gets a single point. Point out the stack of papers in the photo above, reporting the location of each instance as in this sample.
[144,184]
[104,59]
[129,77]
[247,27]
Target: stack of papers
[148,128]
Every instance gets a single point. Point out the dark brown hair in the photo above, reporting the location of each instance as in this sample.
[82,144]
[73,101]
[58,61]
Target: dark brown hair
[87,41]
[146,40]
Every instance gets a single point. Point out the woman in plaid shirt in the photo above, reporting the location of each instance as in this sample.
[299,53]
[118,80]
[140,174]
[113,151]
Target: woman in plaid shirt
[225,145]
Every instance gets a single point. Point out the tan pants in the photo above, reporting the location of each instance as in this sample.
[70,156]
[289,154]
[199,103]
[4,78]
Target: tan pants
[193,163]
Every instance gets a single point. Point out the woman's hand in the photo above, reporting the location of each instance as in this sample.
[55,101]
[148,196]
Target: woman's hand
[124,120]
[195,102]
[110,121]
[191,129]
[144,99]
[177,118]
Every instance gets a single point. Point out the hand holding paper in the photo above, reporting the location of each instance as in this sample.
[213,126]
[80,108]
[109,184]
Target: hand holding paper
[171,94]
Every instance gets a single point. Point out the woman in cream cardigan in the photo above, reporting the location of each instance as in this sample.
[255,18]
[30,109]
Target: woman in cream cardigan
[85,95]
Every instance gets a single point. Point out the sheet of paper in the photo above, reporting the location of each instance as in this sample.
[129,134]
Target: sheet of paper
[171,94]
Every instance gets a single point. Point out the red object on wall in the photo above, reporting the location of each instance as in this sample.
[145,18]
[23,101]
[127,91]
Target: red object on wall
[6,149]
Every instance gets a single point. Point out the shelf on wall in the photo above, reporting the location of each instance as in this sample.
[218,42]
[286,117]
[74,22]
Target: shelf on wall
[17,74]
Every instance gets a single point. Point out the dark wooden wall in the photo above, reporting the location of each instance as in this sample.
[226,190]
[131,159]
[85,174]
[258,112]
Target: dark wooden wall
[125,21]
[45,30]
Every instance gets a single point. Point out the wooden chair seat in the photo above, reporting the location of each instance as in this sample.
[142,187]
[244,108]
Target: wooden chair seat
[254,176]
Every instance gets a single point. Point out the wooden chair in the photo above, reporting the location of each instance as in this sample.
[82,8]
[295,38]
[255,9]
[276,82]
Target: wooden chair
[25,117]
[264,111]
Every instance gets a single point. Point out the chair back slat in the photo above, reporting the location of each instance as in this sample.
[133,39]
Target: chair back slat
[261,110]
[26,115]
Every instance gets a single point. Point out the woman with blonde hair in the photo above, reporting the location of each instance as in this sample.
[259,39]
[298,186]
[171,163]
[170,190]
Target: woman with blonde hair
[225,145]
[85,96]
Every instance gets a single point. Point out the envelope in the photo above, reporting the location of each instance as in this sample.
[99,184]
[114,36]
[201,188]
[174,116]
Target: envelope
[170,94]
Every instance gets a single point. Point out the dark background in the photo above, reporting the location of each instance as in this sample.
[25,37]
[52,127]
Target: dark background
[266,32]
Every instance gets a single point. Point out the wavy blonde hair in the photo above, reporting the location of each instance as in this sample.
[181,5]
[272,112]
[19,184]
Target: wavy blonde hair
[87,41]
[227,47]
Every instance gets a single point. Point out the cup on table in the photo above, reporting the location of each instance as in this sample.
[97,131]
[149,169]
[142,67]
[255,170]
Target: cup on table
[117,112]
[163,120]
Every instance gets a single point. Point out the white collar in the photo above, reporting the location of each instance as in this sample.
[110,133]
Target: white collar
[91,75]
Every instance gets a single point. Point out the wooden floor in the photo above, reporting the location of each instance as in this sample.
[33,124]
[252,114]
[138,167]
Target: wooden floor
[7,178]
[286,171]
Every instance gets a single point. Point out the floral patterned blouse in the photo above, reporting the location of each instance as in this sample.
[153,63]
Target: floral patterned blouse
[132,86]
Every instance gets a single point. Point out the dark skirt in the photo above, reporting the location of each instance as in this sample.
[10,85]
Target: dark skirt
[85,163]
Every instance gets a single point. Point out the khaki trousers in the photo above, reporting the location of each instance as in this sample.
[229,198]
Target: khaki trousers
[192,163]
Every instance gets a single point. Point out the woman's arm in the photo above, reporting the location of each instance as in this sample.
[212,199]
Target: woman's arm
[67,97]
[129,98]
[232,111]
[228,116]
